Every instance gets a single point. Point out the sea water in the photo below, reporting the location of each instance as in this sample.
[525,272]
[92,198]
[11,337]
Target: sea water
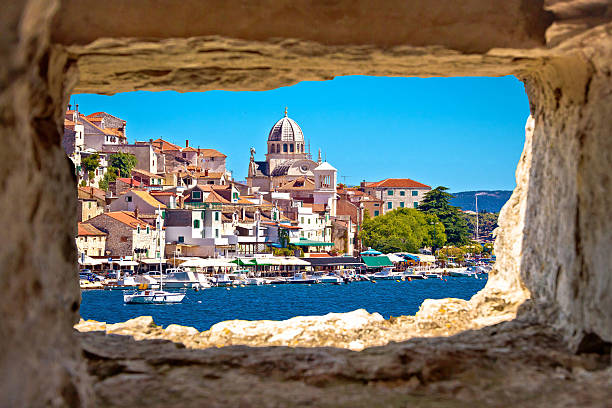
[204,308]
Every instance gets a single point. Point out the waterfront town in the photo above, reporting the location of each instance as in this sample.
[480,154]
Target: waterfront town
[151,202]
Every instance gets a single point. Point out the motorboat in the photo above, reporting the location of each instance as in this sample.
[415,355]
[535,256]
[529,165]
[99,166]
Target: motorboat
[301,278]
[329,278]
[230,279]
[387,273]
[254,281]
[461,273]
[153,297]
[179,278]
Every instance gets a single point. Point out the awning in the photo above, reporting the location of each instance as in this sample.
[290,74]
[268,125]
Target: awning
[88,260]
[152,261]
[207,262]
[395,259]
[335,261]
[309,243]
[126,263]
[377,261]
[371,251]
[423,258]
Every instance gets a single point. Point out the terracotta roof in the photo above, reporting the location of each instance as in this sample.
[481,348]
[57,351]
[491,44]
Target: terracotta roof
[161,193]
[148,198]
[95,114]
[210,175]
[127,218]
[68,122]
[189,149]
[146,173]
[164,145]
[242,200]
[210,153]
[214,197]
[129,181]
[392,182]
[91,193]
[89,230]
[109,131]
[300,183]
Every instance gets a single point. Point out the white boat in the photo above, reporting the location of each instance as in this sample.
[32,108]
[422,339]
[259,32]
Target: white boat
[179,278]
[301,278]
[230,279]
[330,279]
[461,273]
[153,296]
[254,281]
[387,273]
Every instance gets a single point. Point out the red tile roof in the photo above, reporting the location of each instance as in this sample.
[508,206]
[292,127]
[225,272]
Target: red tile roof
[127,218]
[393,182]
[89,230]
[164,145]
[129,181]
[210,153]
[214,197]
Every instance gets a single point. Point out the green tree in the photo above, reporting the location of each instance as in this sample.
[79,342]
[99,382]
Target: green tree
[402,230]
[366,215]
[89,164]
[109,177]
[437,202]
[124,162]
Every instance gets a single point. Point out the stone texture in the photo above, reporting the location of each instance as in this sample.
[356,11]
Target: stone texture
[489,368]
[554,238]
[39,290]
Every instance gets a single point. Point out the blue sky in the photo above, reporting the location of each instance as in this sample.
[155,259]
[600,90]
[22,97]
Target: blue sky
[463,133]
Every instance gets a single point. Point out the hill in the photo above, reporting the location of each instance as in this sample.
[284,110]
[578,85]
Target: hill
[492,201]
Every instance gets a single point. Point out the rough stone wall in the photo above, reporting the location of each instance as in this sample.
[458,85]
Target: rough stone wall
[39,296]
[555,231]
[568,236]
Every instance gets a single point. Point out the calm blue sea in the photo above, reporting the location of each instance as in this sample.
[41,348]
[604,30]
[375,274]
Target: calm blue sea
[204,308]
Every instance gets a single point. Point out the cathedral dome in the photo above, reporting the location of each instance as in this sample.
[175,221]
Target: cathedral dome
[286,130]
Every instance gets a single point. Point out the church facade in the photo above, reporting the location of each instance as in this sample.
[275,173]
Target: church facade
[286,158]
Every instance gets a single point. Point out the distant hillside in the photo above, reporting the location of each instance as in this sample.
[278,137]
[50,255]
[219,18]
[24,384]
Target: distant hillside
[493,201]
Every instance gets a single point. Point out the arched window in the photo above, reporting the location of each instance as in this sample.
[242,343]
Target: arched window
[291,148]
[285,148]
[271,148]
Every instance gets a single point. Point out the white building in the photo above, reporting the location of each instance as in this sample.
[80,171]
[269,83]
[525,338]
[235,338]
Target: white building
[396,193]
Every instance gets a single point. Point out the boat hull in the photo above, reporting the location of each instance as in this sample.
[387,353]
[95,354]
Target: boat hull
[155,298]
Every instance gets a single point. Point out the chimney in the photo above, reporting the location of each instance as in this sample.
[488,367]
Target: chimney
[77,107]
[187,143]
[136,213]
[150,141]
[69,107]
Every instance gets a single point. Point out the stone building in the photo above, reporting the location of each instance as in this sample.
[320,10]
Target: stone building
[92,202]
[129,236]
[286,158]
[102,129]
[137,200]
[90,241]
[396,193]
[147,156]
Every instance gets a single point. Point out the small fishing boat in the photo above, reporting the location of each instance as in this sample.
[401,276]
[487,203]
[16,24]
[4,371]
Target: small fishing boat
[301,278]
[153,296]
[387,273]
